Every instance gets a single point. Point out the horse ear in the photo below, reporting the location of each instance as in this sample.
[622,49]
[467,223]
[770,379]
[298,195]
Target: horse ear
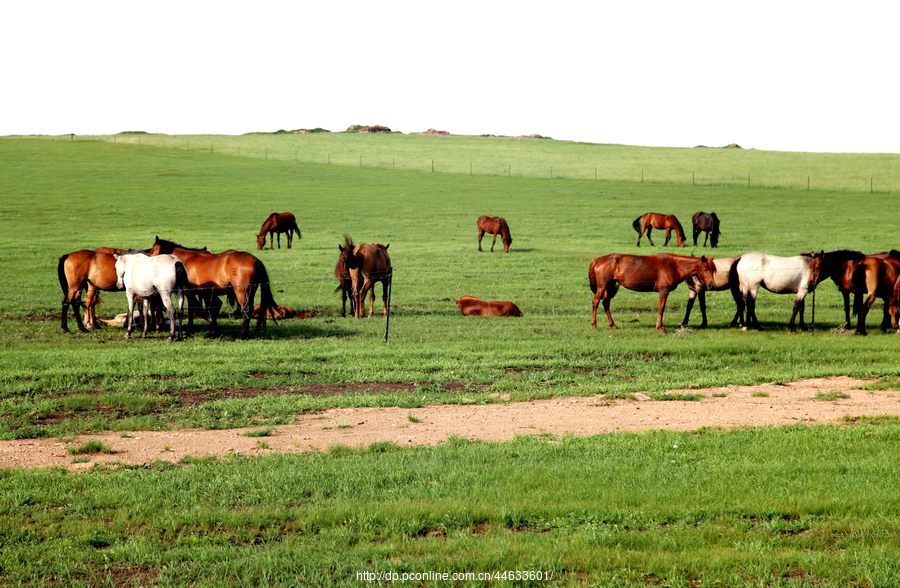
[341,247]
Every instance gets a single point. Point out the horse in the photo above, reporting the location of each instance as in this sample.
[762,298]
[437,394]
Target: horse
[874,277]
[840,267]
[471,306]
[367,263]
[497,226]
[644,273]
[725,278]
[894,306]
[781,275]
[85,270]
[236,274]
[654,220]
[276,224]
[706,222]
[345,285]
[146,276]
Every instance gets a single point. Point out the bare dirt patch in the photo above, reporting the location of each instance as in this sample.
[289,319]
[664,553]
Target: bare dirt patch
[727,407]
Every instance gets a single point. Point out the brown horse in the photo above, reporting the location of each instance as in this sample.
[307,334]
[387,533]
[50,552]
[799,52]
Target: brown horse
[840,267]
[367,263]
[654,220]
[471,306]
[874,277]
[345,285]
[276,224]
[495,225]
[894,306]
[236,274]
[86,270]
[725,278]
[705,222]
[644,273]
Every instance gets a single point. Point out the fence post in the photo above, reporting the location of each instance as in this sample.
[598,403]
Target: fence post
[387,322]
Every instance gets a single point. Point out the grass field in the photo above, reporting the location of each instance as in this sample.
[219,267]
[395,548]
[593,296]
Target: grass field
[758,507]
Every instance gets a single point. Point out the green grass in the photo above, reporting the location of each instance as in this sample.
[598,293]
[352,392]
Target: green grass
[786,507]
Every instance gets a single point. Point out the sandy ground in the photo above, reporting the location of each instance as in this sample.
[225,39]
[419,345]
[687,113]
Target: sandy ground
[728,407]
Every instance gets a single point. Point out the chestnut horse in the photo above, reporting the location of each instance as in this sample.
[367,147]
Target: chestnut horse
[644,273]
[840,267]
[706,222]
[276,224]
[781,275]
[471,306]
[654,220]
[725,278]
[497,226]
[236,274]
[368,263]
[875,277]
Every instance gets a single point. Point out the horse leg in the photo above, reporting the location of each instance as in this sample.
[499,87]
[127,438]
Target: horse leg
[692,295]
[846,295]
[146,307]
[668,236]
[480,235]
[696,234]
[863,311]
[749,298]
[494,242]
[649,230]
[278,236]
[886,321]
[289,236]
[170,310]
[799,306]
[386,285]
[663,296]
[641,234]
[213,306]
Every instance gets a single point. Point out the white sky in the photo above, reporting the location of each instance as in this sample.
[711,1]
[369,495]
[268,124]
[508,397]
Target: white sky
[769,74]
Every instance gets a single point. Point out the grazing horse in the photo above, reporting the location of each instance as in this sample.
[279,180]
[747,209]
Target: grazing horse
[368,263]
[471,306]
[345,285]
[840,267]
[146,276]
[654,220]
[724,278]
[233,273]
[894,306]
[781,275]
[706,222]
[875,277]
[497,226]
[276,224]
[644,273]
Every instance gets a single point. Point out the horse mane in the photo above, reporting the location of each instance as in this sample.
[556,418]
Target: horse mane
[504,229]
[169,246]
[678,226]
[348,243]
[846,255]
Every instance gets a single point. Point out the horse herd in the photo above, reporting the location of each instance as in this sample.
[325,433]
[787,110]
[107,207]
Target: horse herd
[868,277]
[199,275]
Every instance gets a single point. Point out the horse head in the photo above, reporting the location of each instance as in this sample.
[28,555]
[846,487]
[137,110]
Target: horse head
[707,273]
[261,240]
[894,306]
[120,271]
[815,267]
[505,235]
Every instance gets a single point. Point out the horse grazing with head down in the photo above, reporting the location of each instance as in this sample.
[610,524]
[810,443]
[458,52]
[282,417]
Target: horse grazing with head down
[276,224]
[875,277]
[368,263]
[471,306]
[644,273]
[495,225]
[654,220]
[781,275]
[233,273]
[706,222]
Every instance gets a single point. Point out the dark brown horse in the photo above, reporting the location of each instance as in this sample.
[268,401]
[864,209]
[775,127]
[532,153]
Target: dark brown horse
[368,263]
[495,225]
[276,224]
[644,273]
[236,274]
[894,306]
[874,277]
[705,222]
[345,285]
[725,278]
[471,306]
[89,271]
[840,267]
[654,220]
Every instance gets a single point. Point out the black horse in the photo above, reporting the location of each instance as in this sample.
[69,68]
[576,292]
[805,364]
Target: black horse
[708,222]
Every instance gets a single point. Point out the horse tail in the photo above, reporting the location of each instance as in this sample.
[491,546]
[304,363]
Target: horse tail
[592,277]
[637,224]
[61,272]
[859,284]
[297,229]
[266,299]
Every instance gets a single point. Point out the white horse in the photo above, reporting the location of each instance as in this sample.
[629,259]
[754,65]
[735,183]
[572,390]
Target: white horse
[145,276]
[781,275]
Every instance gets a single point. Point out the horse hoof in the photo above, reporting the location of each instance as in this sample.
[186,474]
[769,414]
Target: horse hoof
[743,328]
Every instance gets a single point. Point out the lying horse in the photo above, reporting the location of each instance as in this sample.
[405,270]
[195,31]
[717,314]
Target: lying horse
[368,264]
[644,273]
[781,275]
[234,273]
[724,278]
[706,222]
[654,220]
[147,276]
[276,224]
[471,306]
[497,226]
[875,277]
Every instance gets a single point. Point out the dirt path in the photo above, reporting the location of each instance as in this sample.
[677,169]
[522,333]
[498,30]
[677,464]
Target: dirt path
[431,425]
